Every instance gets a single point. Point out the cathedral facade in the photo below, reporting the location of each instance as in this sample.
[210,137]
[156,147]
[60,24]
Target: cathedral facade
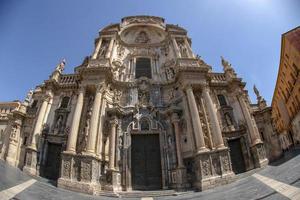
[141,113]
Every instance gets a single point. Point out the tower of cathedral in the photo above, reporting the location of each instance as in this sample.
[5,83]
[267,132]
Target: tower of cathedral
[142,112]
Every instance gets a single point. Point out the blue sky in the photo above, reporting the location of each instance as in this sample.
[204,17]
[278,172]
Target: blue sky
[36,35]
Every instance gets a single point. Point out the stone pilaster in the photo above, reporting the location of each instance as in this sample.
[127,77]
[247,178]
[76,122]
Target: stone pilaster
[72,139]
[32,151]
[212,113]
[95,54]
[180,170]
[197,128]
[257,146]
[176,48]
[110,47]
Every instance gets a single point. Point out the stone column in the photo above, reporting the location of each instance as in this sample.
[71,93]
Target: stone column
[71,145]
[199,137]
[176,48]
[97,49]
[91,142]
[109,50]
[212,113]
[255,137]
[112,143]
[39,121]
[175,121]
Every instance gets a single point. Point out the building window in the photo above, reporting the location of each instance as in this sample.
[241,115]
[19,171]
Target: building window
[222,100]
[64,102]
[143,68]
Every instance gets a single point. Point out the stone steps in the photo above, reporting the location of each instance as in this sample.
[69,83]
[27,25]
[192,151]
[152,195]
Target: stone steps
[157,193]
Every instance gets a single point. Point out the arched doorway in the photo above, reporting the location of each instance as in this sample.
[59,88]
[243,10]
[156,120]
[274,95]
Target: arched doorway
[145,158]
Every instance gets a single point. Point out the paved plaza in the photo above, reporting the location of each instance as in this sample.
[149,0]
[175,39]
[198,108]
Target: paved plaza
[279,180]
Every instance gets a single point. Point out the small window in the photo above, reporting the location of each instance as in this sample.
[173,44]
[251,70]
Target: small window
[222,100]
[143,68]
[64,102]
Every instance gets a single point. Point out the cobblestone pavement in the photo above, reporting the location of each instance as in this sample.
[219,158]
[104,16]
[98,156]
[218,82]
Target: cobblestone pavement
[279,180]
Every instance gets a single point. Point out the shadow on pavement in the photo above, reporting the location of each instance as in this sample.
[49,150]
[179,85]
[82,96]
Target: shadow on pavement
[286,156]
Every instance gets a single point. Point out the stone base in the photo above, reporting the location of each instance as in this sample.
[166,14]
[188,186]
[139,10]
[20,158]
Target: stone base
[80,173]
[259,154]
[213,169]
[31,162]
[78,186]
[214,181]
[180,179]
[113,178]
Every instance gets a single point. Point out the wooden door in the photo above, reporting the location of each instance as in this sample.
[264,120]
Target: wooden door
[146,162]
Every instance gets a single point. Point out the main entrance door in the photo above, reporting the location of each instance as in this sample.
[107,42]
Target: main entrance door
[236,154]
[145,162]
[52,167]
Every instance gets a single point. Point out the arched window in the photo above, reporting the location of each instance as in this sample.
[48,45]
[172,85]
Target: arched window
[222,100]
[143,68]
[64,102]
[144,125]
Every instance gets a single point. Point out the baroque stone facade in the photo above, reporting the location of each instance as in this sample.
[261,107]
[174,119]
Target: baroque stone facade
[142,112]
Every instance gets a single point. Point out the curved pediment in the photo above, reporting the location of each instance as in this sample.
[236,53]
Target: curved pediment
[142,35]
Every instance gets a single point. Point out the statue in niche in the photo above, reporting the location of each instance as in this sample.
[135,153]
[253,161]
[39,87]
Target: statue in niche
[142,38]
[182,49]
[228,119]
[58,124]
[117,96]
[86,128]
[120,50]
[103,49]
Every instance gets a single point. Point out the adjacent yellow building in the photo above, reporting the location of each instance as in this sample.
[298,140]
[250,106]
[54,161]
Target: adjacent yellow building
[286,98]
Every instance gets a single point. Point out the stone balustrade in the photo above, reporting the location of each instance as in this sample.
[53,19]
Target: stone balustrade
[68,79]
[218,77]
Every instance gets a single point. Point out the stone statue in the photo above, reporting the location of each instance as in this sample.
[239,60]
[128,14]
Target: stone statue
[228,120]
[256,92]
[102,50]
[226,64]
[61,66]
[58,124]
[120,50]
[183,49]
[28,98]
[142,38]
